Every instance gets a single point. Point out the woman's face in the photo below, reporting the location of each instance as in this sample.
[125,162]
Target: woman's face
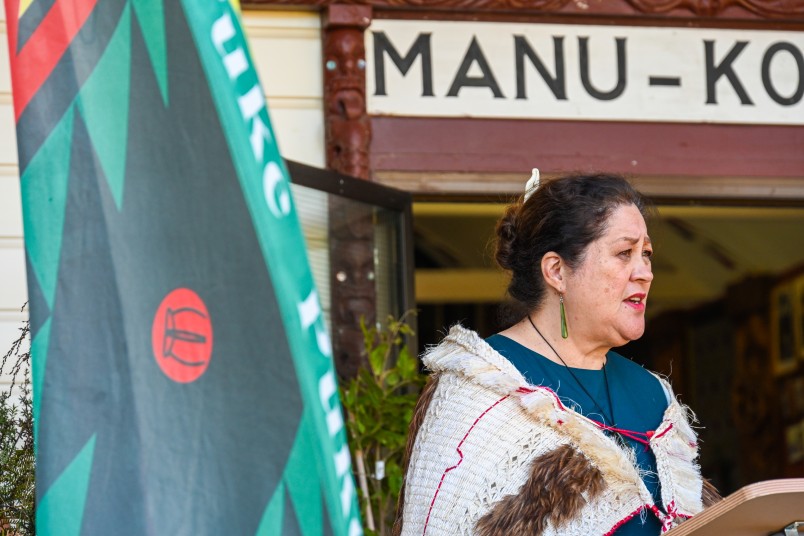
[605,297]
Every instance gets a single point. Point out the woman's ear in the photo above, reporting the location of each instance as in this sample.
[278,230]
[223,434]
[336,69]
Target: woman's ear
[553,270]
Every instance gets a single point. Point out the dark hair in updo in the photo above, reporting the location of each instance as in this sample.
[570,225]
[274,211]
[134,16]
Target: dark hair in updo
[563,215]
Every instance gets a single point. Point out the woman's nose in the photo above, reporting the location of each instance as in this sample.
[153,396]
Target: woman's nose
[643,271]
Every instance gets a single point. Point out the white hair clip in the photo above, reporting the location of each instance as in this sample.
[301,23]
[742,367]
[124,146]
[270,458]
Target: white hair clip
[532,184]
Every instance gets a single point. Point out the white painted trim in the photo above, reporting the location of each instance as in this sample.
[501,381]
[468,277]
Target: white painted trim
[12,242]
[295,103]
[273,32]
[660,186]
[281,19]
[13,315]
[9,170]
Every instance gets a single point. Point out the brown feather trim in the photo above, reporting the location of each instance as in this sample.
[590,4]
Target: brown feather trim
[709,494]
[553,494]
[419,413]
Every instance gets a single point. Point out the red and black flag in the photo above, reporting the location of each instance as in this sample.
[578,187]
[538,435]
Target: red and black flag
[183,381]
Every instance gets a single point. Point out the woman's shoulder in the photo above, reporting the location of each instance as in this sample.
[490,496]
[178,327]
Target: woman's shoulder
[505,346]
[628,367]
[465,353]
[536,368]
[637,376]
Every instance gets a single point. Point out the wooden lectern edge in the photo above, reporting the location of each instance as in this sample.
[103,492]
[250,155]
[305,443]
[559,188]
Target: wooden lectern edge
[759,489]
[751,491]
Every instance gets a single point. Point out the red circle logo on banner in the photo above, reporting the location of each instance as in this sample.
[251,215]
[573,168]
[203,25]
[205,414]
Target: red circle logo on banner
[181,336]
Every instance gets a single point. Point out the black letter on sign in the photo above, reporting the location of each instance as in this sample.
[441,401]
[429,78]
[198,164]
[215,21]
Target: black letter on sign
[556,84]
[420,47]
[583,43]
[766,79]
[713,72]
[474,54]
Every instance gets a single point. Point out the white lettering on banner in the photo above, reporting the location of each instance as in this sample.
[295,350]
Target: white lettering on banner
[473,69]
[273,184]
[327,389]
[309,310]
[252,103]
[235,63]
[252,107]
[222,31]
[347,492]
[343,461]
[259,135]
[310,315]
[253,110]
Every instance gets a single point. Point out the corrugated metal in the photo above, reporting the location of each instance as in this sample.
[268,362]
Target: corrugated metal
[311,207]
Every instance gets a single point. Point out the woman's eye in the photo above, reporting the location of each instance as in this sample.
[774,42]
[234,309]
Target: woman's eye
[648,253]
[626,253]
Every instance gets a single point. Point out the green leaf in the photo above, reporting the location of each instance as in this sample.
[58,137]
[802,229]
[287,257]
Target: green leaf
[408,414]
[405,329]
[377,359]
[406,363]
[393,379]
[349,396]
[393,471]
[369,333]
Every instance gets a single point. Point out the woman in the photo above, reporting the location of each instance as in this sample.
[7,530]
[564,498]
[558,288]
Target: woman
[542,429]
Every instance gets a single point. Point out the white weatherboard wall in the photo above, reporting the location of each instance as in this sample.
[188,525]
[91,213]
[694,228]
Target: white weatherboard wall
[13,290]
[286,48]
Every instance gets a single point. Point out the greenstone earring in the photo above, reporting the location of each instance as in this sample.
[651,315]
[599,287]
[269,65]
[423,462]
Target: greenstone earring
[564,333]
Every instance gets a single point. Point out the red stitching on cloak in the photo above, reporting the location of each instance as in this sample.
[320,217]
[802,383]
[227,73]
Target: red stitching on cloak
[657,436]
[640,437]
[460,460]
[674,513]
[625,520]
[529,390]
[666,520]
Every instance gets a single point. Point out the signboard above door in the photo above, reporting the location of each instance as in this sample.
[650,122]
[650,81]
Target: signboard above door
[584,72]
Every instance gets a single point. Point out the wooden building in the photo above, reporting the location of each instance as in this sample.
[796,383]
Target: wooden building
[699,102]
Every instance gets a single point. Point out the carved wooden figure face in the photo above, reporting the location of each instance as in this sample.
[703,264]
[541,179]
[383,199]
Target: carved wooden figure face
[354,274]
[344,61]
[348,129]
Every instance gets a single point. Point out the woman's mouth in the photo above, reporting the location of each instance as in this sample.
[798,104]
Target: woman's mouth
[636,301]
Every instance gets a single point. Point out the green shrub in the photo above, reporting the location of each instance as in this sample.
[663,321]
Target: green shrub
[379,405]
[17,463]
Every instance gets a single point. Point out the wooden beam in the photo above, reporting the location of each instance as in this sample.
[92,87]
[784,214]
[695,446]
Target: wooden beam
[463,285]
[725,9]
[488,156]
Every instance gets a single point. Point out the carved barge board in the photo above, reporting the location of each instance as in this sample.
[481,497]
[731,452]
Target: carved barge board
[739,9]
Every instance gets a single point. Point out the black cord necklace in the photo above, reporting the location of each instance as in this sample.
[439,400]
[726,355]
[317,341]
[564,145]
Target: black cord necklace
[605,379]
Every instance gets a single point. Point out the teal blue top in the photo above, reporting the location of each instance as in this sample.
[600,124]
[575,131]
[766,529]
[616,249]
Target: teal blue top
[638,398]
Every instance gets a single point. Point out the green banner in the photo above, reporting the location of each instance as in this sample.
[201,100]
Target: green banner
[183,380]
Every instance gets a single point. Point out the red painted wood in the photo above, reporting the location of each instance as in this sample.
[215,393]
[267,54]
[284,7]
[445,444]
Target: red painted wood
[737,9]
[515,146]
